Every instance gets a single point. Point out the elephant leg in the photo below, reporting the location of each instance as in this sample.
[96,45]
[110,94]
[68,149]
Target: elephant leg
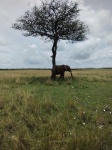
[53,75]
[62,76]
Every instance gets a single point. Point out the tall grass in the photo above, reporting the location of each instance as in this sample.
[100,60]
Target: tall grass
[37,113]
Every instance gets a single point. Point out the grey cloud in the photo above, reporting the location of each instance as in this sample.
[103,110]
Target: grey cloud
[83,55]
[98,4]
[17,51]
[4,42]
[34,57]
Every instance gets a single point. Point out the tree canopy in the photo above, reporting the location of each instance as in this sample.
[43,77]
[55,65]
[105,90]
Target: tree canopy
[55,20]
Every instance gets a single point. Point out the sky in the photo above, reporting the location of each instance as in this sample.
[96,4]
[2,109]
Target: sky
[17,51]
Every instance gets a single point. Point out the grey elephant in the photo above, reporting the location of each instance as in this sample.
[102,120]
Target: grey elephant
[60,69]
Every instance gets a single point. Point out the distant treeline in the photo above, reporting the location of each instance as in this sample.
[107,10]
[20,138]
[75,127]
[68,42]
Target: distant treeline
[50,68]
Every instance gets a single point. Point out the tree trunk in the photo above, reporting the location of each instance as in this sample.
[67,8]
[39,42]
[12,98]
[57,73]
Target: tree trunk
[54,49]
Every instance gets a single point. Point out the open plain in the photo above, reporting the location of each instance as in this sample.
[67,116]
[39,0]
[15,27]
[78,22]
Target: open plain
[37,113]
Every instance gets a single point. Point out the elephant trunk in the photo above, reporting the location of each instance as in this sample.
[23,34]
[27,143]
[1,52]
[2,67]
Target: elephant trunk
[71,75]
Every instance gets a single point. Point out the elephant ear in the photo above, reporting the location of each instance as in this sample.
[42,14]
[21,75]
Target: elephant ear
[65,67]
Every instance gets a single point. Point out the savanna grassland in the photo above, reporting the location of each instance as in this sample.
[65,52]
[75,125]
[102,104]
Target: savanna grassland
[37,113]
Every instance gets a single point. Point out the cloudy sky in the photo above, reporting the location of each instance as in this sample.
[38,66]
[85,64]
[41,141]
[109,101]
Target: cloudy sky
[17,51]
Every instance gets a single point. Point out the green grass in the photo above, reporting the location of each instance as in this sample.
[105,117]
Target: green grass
[37,113]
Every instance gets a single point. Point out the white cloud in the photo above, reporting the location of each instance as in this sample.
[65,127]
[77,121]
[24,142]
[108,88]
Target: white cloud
[33,46]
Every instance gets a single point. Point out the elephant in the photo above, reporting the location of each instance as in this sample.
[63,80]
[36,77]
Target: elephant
[60,69]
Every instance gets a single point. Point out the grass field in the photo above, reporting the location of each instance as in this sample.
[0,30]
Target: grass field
[37,113]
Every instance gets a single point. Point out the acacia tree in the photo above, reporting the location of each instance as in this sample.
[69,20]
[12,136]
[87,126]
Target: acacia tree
[56,20]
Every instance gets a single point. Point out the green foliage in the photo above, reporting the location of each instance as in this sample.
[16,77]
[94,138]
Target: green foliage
[54,20]
[38,113]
